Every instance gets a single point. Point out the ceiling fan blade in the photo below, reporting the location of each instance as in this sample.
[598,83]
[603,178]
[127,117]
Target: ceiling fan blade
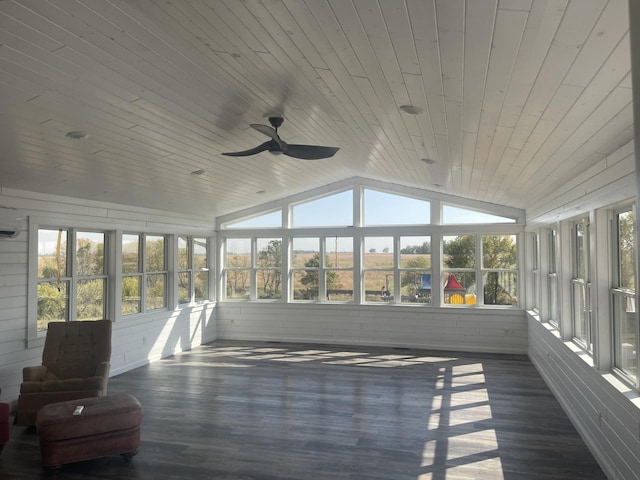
[310,152]
[253,151]
[268,131]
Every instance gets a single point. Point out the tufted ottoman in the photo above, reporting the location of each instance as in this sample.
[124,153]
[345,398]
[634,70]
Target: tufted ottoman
[107,426]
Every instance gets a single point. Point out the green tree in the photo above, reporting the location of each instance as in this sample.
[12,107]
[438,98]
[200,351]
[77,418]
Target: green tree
[310,277]
[461,253]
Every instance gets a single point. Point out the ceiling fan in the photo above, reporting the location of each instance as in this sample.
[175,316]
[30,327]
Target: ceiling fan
[278,146]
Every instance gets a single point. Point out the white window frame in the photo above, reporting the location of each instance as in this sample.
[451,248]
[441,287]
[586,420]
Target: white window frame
[144,273]
[620,296]
[36,337]
[191,271]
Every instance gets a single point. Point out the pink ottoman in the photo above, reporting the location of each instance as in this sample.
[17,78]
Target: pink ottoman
[107,426]
[4,424]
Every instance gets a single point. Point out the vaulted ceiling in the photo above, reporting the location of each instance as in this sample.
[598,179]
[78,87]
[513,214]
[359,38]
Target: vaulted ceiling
[515,96]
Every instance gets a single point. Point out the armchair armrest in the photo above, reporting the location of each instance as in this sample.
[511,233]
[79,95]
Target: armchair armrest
[34,374]
[102,370]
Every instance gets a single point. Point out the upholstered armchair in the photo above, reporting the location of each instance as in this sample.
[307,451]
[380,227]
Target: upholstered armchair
[75,364]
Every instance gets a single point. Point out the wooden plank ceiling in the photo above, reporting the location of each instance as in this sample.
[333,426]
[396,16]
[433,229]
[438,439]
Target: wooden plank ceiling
[517,96]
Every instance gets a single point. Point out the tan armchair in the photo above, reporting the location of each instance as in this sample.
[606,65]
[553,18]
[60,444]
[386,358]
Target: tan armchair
[75,364]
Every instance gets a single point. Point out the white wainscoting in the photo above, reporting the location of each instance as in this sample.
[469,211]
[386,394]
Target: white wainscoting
[603,410]
[472,329]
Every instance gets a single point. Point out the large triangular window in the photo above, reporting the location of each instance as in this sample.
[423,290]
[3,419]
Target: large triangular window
[331,211]
[462,216]
[381,208]
[268,220]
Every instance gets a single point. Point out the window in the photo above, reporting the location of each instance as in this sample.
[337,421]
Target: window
[459,269]
[625,317]
[269,268]
[580,286]
[552,277]
[415,269]
[463,216]
[500,269]
[338,268]
[378,269]
[237,271]
[305,267]
[535,273]
[144,273]
[267,220]
[372,246]
[72,282]
[253,268]
[382,208]
[327,211]
[193,272]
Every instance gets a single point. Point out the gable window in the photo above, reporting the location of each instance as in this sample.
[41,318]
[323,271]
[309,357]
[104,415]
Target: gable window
[193,272]
[625,317]
[382,208]
[372,246]
[144,273]
[72,276]
[327,211]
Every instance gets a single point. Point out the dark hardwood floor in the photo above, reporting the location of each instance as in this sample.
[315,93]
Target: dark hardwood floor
[267,411]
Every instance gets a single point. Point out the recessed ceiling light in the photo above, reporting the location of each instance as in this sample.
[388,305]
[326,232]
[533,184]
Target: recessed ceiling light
[428,161]
[410,109]
[77,135]
[195,173]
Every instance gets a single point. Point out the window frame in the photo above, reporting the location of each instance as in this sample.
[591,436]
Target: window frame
[580,286]
[35,336]
[144,273]
[191,271]
[623,294]
[553,305]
